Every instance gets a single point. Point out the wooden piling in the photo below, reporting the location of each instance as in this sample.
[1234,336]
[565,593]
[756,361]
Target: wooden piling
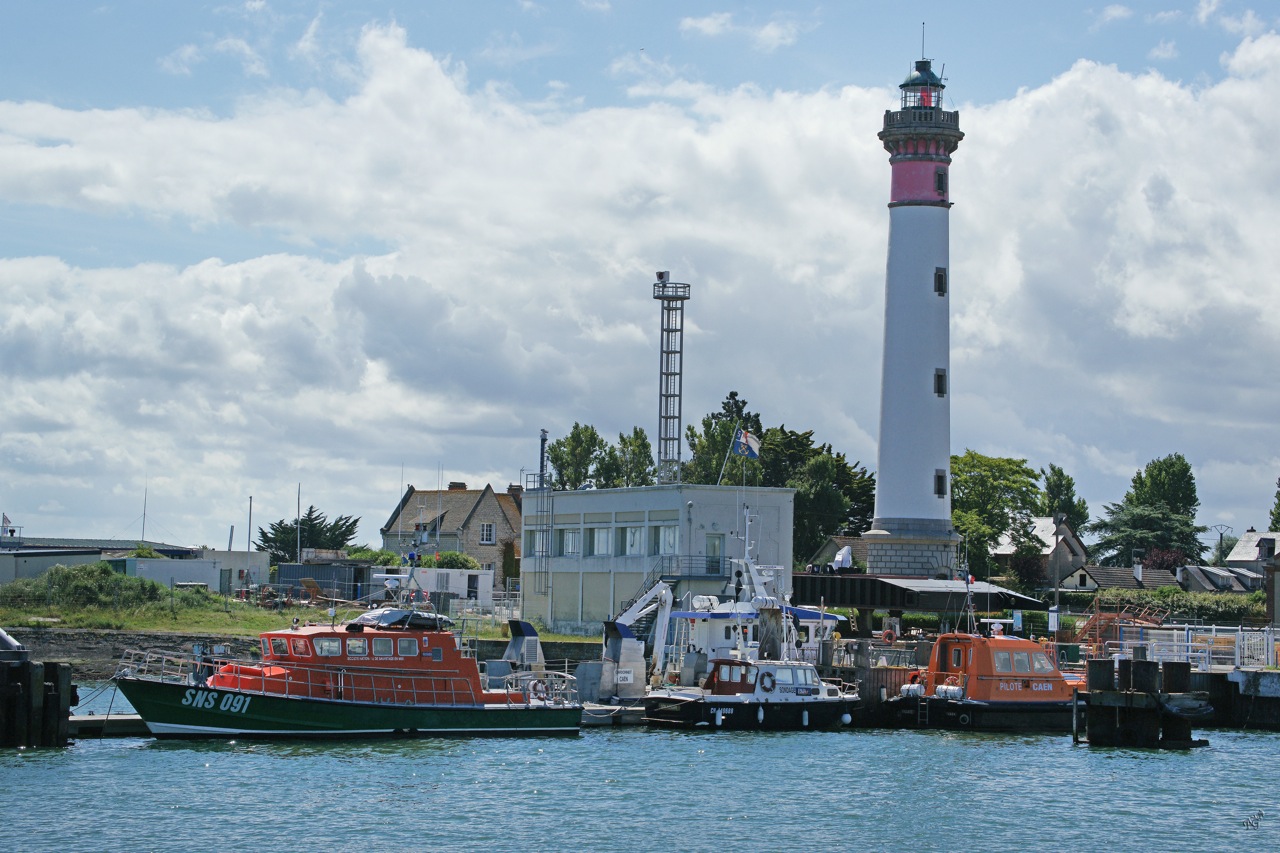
[35,703]
[1136,710]
[1100,674]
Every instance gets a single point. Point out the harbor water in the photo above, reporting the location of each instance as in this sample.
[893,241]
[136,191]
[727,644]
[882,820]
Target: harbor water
[640,789]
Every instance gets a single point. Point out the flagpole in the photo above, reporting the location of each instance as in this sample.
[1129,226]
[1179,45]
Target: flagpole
[727,452]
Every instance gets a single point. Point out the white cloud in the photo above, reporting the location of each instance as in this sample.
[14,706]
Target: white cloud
[1205,10]
[1110,14]
[506,50]
[181,60]
[1246,24]
[715,24]
[250,62]
[1107,238]
[766,38]
[1166,49]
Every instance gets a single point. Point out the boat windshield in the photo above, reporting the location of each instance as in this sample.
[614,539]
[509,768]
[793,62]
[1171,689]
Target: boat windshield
[1037,662]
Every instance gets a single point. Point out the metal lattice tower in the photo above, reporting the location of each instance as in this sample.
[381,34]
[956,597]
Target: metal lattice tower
[673,295]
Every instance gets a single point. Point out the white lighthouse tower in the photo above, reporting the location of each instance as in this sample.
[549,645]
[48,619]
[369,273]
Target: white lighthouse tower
[912,533]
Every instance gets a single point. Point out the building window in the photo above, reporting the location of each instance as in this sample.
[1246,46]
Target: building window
[568,542]
[665,540]
[630,542]
[940,281]
[940,181]
[488,533]
[940,382]
[940,483]
[1080,579]
[536,542]
[598,542]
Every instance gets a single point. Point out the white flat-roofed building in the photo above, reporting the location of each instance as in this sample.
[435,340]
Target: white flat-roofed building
[589,553]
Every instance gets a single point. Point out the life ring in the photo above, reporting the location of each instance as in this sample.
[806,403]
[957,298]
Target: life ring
[767,682]
[887,636]
[914,677]
[952,681]
[538,689]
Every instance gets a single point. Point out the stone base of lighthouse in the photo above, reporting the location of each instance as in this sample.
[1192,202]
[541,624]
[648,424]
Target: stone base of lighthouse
[912,547]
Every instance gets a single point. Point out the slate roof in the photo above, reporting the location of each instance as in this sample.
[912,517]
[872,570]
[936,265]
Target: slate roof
[1043,529]
[1121,577]
[1246,549]
[419,507]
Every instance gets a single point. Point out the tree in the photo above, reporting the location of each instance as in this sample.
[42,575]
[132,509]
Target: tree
[281,539]
[629,463]
[456,560]
[575,456]
[1163,560]
[1130,530]
[820,507]
[1167,481]
[708,450]
[1274,524]
[1059,496]
[833,498]
[991,497]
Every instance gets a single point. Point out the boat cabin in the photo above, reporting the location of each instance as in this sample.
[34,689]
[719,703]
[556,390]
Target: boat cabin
[384,655]
[730,677]
[993,669]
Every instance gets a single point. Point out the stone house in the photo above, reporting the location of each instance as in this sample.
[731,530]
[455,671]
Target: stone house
[1060,554]
[480,523]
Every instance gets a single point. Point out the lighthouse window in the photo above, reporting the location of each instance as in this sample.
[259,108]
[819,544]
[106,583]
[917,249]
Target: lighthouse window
[940,281]
[940,181]
[940,483]
[940,382]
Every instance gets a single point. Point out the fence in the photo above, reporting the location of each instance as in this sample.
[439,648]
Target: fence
[1203,646]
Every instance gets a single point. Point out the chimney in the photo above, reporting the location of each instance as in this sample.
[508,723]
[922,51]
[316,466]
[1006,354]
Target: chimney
[456,486]
[517,492]
[1137,570]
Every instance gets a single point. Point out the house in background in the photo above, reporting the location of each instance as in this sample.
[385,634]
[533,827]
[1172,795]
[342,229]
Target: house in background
[1254,551]
[839,554]
[481,523]
[1094,578]
[1060,555]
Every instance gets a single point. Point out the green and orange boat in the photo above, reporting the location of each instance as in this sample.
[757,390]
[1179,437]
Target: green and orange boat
[390,672]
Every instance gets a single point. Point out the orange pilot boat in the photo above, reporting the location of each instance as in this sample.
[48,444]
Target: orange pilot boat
[987,683]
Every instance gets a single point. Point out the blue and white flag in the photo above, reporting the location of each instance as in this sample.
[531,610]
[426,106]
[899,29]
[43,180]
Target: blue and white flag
[746,444]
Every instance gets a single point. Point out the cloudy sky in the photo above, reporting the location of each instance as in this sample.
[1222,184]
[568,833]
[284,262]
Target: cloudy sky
[249,245]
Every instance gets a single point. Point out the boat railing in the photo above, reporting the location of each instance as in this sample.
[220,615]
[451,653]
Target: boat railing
[546,687]
[352,684]
[294,681]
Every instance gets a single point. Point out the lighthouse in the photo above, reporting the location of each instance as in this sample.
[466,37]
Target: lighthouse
[912,534]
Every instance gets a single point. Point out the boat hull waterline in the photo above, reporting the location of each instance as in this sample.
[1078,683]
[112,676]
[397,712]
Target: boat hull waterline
[183,710]
[680,711]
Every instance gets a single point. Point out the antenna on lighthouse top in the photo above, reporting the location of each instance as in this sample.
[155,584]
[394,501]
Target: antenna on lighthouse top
[922,40]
